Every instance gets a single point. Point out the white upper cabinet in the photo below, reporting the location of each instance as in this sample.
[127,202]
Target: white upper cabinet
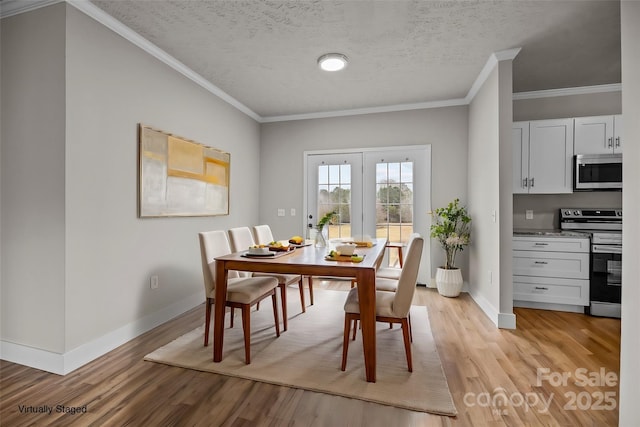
[542,156]
[598,135]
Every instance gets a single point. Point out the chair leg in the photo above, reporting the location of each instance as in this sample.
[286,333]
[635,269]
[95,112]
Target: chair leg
[353,283]
[345,341]
[232,311]
[258,306]
[246,328]
[310,290]
[407,344]
[207,321]
[355,328]
[302,303]
[283,299]
[275,313]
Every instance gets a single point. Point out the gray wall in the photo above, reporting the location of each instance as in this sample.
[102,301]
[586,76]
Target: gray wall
[284,143]
[630,346]
[81,259]
[33,181]
[546,206]
[489,148]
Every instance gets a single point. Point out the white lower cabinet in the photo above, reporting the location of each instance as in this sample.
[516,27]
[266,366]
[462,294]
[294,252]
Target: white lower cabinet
[551,272]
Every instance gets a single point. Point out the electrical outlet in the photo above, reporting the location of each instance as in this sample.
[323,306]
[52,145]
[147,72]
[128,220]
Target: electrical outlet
[154,282]
[280,212]
[293,211]
[528,214]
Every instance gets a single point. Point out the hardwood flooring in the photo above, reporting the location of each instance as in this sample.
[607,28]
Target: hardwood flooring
[497,378]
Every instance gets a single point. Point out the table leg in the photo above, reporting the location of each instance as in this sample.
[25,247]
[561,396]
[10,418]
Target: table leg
[219,308]
[366,279]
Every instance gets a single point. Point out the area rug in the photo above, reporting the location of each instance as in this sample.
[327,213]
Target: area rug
[308,356]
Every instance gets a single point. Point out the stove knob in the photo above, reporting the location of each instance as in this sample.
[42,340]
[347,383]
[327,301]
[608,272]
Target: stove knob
[619,213]
[567,213]
[576,213]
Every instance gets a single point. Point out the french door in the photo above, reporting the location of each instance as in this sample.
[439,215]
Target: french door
[381,192]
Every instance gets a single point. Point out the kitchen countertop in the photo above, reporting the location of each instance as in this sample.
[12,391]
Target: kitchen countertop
[550,233]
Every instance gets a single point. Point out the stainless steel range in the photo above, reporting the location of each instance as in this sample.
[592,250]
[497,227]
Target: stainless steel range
[605,277]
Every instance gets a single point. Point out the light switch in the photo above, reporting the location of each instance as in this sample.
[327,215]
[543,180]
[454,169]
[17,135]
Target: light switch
[280,212]
[528,214]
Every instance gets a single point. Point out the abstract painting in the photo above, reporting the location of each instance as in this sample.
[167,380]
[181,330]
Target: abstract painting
[180,177]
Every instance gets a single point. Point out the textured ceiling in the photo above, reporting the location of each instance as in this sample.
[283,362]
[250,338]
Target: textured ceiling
[263,53]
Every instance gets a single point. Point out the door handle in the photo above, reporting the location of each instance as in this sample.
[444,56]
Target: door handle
[525,182]
[541,244]
[531,182]
[610,142]
[541,262]
[617,141]
[541,288]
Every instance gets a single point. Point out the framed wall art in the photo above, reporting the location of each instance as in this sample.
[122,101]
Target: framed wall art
[180,177]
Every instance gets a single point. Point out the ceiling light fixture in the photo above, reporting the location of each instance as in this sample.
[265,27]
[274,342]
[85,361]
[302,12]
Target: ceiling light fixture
[333,62]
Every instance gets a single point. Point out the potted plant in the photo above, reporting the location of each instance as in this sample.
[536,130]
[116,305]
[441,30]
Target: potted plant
[320,240]
[451,226]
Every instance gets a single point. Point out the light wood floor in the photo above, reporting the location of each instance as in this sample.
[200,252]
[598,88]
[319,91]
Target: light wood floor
[484,366]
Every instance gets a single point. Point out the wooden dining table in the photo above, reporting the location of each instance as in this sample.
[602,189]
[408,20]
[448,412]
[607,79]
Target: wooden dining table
[311,261]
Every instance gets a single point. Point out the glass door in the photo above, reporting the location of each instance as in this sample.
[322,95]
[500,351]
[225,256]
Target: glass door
[334,183]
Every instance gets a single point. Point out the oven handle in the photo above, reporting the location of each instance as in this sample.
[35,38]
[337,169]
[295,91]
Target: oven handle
[606,249]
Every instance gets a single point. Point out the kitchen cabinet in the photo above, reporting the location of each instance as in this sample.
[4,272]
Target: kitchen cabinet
[551,272]
[598,135]
[542,156]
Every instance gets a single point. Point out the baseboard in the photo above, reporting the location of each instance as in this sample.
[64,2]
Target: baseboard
[501,320]
[549,306]
[63,364]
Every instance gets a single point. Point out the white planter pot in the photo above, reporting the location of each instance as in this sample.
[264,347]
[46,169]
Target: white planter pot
[449,282]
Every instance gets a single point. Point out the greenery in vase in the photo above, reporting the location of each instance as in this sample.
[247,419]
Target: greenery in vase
[327,218]
[452,227]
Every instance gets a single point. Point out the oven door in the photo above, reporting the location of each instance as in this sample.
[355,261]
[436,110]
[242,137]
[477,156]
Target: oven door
[606,273]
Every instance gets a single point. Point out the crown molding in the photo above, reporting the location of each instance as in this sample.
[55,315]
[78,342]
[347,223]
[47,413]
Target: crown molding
[15,7]
[493,60]
[552,93]
[369,110]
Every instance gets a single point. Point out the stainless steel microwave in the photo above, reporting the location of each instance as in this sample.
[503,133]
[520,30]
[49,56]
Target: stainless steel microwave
[594,172]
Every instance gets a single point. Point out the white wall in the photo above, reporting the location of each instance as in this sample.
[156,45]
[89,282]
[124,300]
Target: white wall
[103,255]
[284,143]
[630,346]
[489,192]
[33,194]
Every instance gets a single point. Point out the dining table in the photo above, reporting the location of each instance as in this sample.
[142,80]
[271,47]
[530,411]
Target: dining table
[311,261]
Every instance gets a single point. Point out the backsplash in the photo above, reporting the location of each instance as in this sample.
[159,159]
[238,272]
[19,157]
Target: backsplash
[546,207]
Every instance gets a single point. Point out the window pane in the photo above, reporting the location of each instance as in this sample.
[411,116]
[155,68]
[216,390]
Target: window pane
[323,174]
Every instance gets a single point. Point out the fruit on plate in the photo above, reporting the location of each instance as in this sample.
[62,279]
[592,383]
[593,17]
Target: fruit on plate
[296,240]
[276,244]
[257,246]
[334,254]
[356,258]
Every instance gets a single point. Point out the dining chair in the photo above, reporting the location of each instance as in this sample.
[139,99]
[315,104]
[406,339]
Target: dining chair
[241,239]
[387,277]
[394,272]
[242,292]
[264,236]
[390,307]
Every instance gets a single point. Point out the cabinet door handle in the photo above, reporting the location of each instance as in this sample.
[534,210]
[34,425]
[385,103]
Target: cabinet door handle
[617,141]
[541,288]
[525,182]
[610,142]
[541,244]
[531,182]
[541,262]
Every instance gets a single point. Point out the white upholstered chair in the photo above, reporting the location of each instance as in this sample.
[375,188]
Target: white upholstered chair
[263,235]
[390,307]
[242,292]
[241,239]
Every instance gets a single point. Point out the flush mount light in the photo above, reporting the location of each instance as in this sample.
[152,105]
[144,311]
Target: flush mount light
[332,62]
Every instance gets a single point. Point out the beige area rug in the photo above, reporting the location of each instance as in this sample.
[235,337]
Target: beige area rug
[308,356]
